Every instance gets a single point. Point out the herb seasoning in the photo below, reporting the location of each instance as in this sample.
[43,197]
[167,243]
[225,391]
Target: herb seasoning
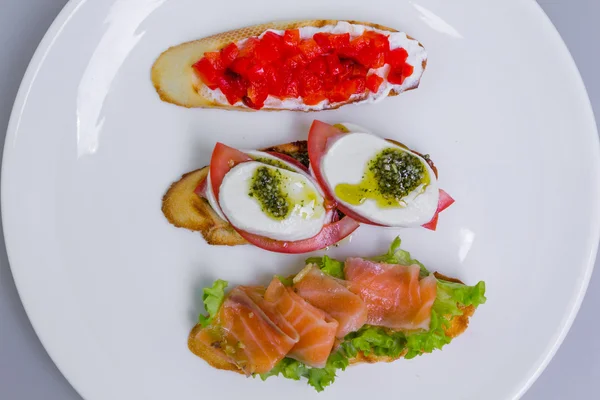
[266,188]
[389,177]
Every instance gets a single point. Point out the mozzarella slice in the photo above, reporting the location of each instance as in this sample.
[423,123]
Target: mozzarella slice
[212,199]
[346,161]
[307,212]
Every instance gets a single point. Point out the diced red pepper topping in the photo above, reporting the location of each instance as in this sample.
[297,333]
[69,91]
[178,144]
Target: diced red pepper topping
[373,82]
[229,54]
[310,49]
[291,38]
[396,57]
[327,66]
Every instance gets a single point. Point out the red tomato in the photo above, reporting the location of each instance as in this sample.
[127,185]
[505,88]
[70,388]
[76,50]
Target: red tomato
[201,188]
[222,160]
[329,235]
[444,202]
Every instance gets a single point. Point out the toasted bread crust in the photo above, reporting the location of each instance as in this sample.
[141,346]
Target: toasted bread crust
[185,209]
[175,81]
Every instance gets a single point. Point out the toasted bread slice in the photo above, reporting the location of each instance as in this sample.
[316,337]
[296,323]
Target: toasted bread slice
[185,209]
[177,83]
[213,357]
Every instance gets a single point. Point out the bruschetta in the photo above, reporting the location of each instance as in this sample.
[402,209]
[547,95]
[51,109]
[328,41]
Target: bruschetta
[306,65]
[308,195]
[333,314]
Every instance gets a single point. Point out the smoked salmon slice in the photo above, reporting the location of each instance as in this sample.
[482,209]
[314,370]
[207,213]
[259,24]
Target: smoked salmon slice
[316,328]
[246,335]
[394,295]
[332,296]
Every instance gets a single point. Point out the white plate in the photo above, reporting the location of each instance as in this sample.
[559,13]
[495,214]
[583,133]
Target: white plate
[112,289]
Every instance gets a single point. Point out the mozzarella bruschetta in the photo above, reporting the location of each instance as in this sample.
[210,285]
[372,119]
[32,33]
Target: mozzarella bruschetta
[308,195]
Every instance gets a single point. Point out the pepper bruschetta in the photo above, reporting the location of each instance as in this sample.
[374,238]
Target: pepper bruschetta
[307,65]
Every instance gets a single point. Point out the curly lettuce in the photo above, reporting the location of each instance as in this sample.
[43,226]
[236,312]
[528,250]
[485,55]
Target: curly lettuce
[318,378]
[213,298]
[328,265]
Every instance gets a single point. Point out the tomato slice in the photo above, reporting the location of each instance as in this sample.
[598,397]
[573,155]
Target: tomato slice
[319,135]
[223,159]
[201,188]
[329,235]
[444,202]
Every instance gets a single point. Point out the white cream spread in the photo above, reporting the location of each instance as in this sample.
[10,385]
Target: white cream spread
[416,56]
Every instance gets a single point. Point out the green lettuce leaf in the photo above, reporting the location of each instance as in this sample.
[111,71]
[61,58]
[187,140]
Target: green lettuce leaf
[328,265]
[418,343]
[374,340]
[396,255]
[287,281]
[212,298]
[450,295]
[318,378]
[288,368]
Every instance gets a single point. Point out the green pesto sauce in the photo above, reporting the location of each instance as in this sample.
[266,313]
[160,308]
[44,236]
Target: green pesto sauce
[389,177]
[266,187]
[274,163]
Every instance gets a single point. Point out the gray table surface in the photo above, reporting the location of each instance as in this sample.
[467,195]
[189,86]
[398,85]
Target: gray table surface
[26,371]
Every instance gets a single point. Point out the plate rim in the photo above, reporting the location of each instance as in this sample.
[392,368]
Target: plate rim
[46,45]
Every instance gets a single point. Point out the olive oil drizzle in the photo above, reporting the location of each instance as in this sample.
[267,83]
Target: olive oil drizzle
[388,178]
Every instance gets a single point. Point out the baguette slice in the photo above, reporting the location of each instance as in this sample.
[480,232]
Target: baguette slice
[185,209]
[213,357]
[177,83]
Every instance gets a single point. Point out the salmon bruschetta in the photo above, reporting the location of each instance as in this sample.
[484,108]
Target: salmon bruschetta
[306,65]
[307,195]
[333,314]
